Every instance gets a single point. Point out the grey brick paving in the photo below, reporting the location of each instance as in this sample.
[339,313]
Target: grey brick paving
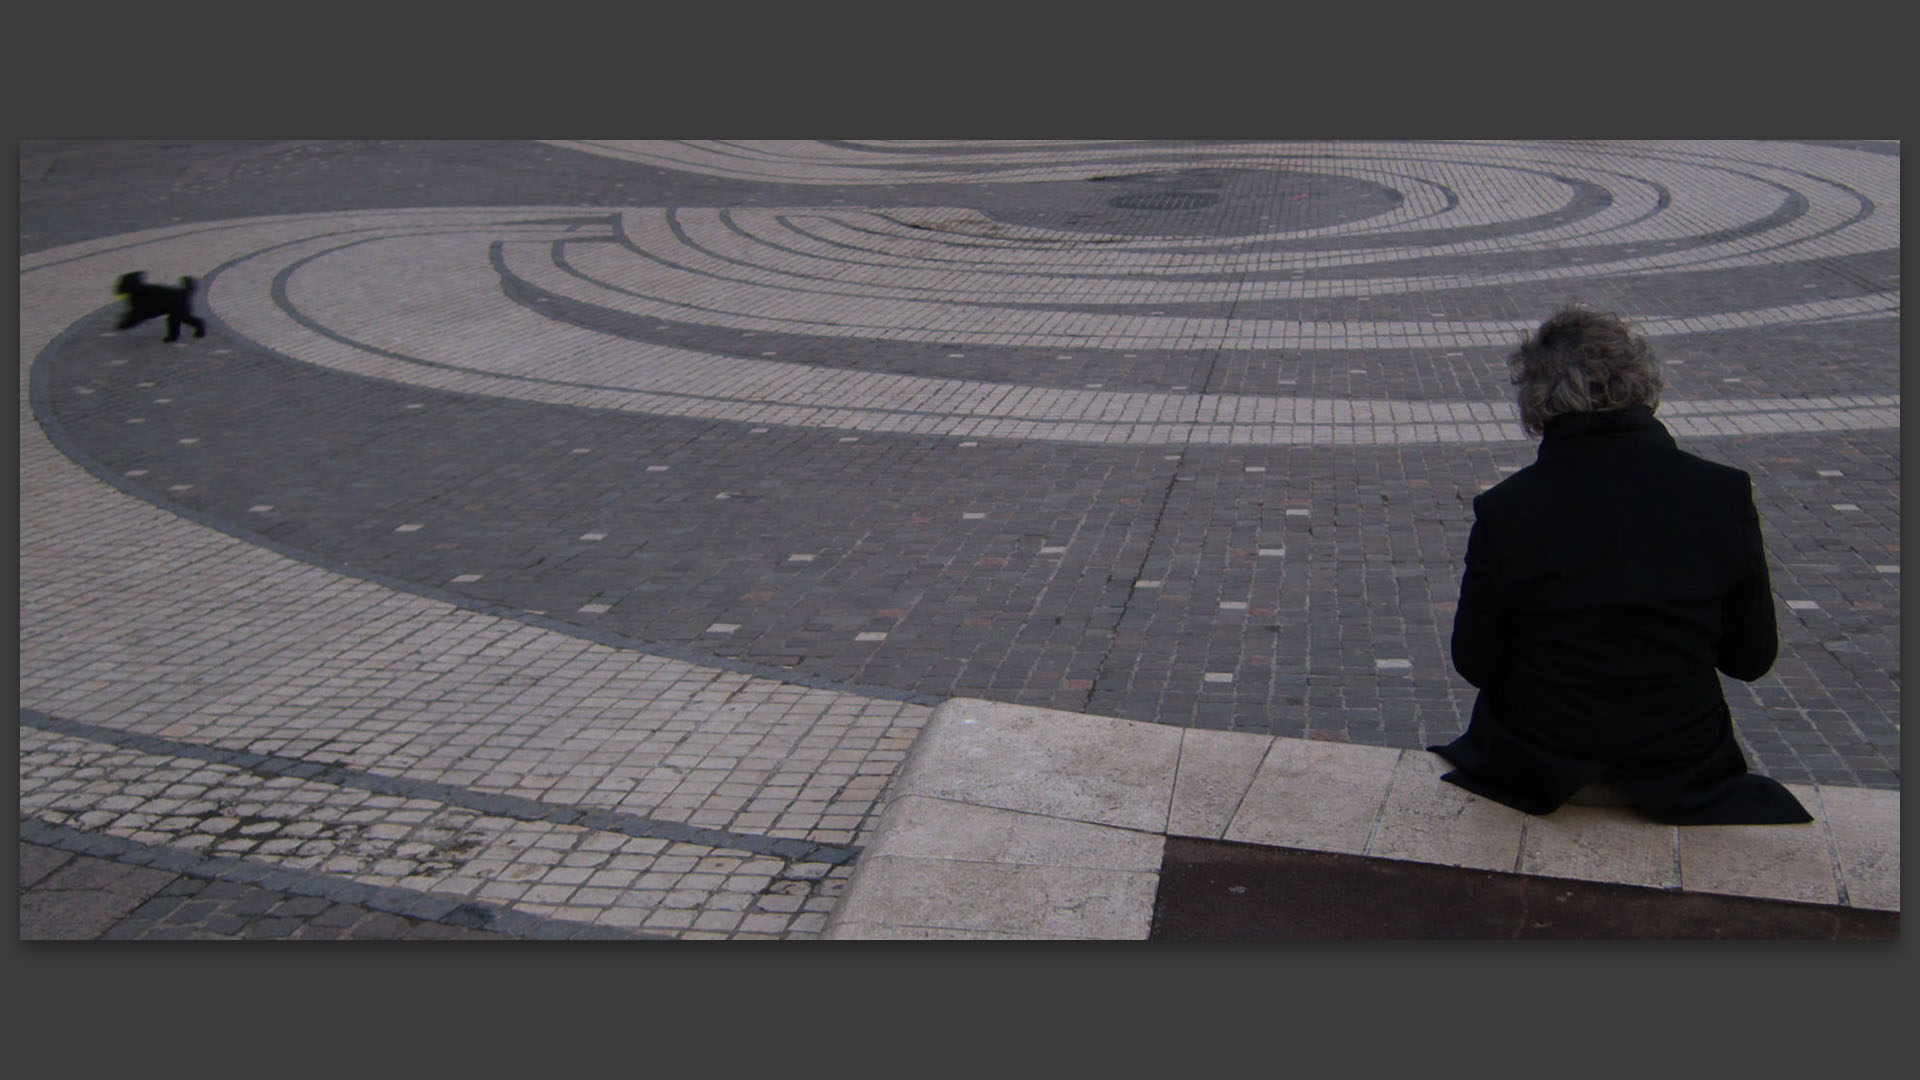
[1075,426]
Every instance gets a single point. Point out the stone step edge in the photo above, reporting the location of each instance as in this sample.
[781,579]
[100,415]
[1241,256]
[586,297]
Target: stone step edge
[1010,821]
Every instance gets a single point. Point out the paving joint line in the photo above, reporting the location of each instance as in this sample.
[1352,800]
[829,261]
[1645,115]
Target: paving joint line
[1133,590]
[391,899]
[517,807]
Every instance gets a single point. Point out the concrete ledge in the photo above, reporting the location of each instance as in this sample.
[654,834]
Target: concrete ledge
[1010,822]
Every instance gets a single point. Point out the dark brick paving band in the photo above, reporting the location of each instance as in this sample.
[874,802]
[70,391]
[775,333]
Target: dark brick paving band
[973,608]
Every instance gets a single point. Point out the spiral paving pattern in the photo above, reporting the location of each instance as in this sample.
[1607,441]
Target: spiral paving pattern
[1470,226]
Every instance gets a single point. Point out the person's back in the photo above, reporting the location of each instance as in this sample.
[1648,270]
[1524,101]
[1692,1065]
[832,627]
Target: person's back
[1603,587]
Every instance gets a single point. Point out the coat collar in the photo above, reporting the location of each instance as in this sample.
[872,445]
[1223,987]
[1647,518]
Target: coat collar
[1631,426]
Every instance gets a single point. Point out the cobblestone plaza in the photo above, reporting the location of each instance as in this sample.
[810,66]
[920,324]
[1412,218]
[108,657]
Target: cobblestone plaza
[570,539]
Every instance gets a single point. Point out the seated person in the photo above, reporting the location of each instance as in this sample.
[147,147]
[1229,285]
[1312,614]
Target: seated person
[1604,586]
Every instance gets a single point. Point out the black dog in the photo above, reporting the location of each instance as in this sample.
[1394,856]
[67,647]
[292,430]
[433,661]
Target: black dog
[146,301]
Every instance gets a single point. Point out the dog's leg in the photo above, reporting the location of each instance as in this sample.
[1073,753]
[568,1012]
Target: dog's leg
[173,328]
[199,327]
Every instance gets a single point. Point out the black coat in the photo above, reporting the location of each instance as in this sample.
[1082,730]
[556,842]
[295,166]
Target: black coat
[1604,586]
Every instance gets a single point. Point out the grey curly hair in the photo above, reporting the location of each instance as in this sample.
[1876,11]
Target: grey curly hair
[1582,360]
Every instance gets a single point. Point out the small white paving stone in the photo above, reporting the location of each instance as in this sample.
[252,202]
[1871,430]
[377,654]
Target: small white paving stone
[593,536]
[1392,664]
[1804,605]
[870,635]
[1846,508]
[461,579]
[259,508]
[595,609]
[409,528]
